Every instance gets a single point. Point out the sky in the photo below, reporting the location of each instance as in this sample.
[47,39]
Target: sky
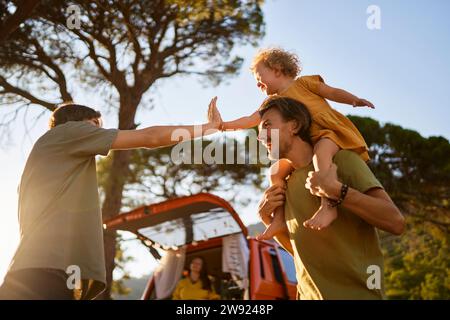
[403,68]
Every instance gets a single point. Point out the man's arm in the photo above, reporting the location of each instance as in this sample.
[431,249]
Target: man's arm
[375,206]
[273,198]
[161,136]
[342,96]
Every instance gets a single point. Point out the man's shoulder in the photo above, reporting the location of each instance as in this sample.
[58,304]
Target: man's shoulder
[345,156]
[354,171]
[349,164]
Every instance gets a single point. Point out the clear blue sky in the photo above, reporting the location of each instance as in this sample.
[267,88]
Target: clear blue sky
[404,69]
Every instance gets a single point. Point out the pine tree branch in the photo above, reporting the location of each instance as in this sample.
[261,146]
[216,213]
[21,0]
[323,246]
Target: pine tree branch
[9,88]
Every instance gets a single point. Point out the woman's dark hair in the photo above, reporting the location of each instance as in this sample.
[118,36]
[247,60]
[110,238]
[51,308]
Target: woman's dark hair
[206,282]
[290,109]
[72,112]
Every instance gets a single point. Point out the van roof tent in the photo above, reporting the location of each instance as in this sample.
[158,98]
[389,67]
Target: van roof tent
[181,221]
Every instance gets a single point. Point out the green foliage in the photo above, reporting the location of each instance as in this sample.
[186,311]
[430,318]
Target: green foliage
[403,156]
[415,172]
[417,264]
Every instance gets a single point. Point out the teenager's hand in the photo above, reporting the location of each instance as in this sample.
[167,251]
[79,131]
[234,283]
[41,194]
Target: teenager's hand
[273,198]
[363,103]
[214,117]
[324,183]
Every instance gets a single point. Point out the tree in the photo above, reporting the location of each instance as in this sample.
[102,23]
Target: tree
[9,23]
[415,172]
[416,264]
[121,49]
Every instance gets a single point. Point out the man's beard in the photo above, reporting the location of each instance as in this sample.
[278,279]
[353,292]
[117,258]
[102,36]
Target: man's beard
[283,150]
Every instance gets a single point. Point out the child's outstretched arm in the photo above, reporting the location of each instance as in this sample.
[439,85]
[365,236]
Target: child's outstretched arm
[342,96]
[242,123]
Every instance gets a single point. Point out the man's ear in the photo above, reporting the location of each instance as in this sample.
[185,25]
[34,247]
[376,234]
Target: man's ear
[294,127]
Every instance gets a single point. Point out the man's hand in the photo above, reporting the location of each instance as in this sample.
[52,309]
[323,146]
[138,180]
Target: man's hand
[273,198]
[214,118]
[324,183]
[363,103]
[374,206]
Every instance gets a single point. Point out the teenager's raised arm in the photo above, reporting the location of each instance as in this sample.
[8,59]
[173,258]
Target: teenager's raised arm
[342,96]
[161,136]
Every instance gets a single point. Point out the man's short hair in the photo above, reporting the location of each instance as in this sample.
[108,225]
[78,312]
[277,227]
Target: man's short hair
[290,109]
[69,111]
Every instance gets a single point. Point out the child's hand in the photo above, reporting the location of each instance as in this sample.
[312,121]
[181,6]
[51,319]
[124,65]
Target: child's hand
[363,103]
[214,117]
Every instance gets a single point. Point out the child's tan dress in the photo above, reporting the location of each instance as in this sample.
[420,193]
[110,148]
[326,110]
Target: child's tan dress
[326,122]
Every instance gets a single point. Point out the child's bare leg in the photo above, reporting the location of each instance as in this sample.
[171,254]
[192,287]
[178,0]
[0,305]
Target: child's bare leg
[324,151]
[278,173]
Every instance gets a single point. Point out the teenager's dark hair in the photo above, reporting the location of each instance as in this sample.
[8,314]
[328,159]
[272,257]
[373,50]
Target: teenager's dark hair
[72,112]
[206,282]
[290,109]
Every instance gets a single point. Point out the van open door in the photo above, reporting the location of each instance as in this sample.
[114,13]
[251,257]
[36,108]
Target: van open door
[195,224]
[273,272]
[181,221]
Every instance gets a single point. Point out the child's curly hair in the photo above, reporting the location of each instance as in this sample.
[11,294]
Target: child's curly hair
[278,59]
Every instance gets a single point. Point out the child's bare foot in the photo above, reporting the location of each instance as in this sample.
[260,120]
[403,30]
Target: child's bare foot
[275,227]
[322,218]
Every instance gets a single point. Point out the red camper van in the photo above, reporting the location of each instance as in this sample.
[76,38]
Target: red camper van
[204,224]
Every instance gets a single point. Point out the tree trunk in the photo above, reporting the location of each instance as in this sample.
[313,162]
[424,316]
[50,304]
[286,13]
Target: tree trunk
[114,188]
[111,207]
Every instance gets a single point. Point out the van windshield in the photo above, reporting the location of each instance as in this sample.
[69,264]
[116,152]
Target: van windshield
[213,223]
[179,221]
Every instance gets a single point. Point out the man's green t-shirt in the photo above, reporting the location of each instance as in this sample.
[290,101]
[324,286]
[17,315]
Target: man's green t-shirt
[59,211]
[333,263]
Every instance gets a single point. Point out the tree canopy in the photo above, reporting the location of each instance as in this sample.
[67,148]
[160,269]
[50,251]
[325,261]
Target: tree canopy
[118,50]
[415,172]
